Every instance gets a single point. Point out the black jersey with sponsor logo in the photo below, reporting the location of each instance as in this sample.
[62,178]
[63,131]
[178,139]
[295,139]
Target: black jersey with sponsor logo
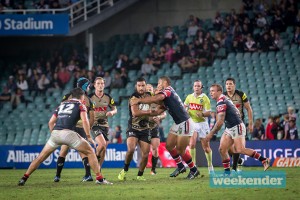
[140,123]
[238,99]
[232,114]
[68,114]
[174,105]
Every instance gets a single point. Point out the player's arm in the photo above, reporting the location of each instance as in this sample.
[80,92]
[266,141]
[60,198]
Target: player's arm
[92,117]
[250,115]
[159,112]
[136,112]
[151,99]
[219,123]
[52,122]
[86,125]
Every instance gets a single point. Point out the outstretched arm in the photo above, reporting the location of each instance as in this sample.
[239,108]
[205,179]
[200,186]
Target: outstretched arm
[147,100]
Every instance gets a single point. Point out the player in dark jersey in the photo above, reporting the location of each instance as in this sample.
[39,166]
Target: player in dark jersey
[234,134]
[240,101]
[104,108]
[84,84]
[138,131]
[61,123]
[180,132]
[154,130]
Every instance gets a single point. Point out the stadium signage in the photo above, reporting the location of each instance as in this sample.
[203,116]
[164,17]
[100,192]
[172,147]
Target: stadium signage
[34,24]
[286,162]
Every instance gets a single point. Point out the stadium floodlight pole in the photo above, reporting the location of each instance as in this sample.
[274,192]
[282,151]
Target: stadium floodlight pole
[90,46]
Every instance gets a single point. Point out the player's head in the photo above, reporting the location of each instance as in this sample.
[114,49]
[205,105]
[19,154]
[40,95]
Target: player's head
[216,91]
[197,87]
[99,84]
[84,84]
[140,85]
[149,88]
[163,82]
[230,84]
[77,93]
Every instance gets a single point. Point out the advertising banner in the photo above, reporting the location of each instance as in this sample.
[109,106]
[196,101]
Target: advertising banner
[34,24]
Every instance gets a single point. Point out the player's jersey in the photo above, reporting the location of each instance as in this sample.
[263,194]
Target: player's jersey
[102,105]
[174,105]
[195,104]
[87,102]
[140,123]
[68,114]
[232,114]
[238,99]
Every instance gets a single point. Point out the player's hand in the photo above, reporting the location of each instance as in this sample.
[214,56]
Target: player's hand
[209,136]
[156,119]
[91,141]
[134,101]
[109,114]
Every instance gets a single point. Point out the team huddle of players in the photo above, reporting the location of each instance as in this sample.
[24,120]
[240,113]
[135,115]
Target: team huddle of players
[79,114]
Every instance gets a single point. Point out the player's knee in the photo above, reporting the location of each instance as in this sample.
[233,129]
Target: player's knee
[206,149]
[169,147]
[222,150]
[192,146]
[239,150]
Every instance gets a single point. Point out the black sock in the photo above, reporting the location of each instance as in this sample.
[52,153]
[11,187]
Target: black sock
[154,162]
[140,173]
[59,165]
[85,162]
[240,161]
[235,159]
[261,158]
[126,167]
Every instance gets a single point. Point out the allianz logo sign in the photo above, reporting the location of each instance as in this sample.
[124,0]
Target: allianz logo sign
[27,24]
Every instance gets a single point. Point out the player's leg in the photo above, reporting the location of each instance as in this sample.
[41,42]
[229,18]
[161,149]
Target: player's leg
[192,145]
[103,152]
[101,147]
[239,144]
[182,143]
[225,143]
[154,147]
[132,141]
[64,149]
[45,153]
[203,131]
[145,149]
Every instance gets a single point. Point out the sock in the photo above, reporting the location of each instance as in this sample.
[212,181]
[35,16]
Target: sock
[140,173]
[98,158]
[154,162]
[257,156]
[226,164]
[193,154]
[85,162]
[188,160]
[209,159]
[177,158]
[59,165]
[235,159]
[126,167]
[240,161]
[99,177]
[25,177]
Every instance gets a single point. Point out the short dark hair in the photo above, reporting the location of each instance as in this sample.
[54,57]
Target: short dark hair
[77,93]
[166,78]
[140,79]
[230,79]
[219,87]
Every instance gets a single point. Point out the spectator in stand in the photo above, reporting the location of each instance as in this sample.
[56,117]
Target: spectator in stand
[250,45]
[297,20]
[269,135]
[285,125]
[5,96]
[117,81]
[42,4]
[218,21]
[248,5]
[169,37]
[192,29]
[8,4]
[291,112]
[261,21]
[186,64]
[17,98]
[150,37]
[278,23]
[117,135]
[148,68]
[43,84]
[296,38]
[56,83]
[126,61]
[22,83]
[124,76]
[156,60]
[54,4]
[292,132]
[135,64]
[64,76]
[192,19]
[11,84]
[169,53]
[184,48]
[107,79]
[119,63]
[258,130]
[266,43]
[276,128]
[90,75]
[277,43]
[100,72]
[204,56]
[71,66]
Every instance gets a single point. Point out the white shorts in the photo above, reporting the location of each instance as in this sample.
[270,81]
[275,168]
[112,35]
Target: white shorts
[202,129]
[185,128]
[236,131]
[67,137]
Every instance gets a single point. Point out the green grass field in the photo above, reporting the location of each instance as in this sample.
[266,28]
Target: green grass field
[41,186]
